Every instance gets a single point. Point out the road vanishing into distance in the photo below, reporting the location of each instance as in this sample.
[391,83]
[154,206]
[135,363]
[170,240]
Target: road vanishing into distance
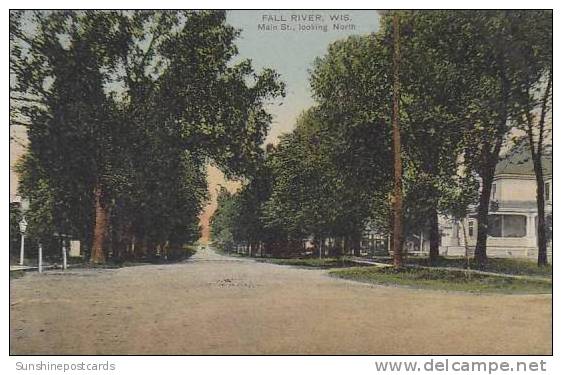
[215,304]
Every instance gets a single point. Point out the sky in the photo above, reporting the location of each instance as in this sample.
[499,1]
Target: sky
[291,53]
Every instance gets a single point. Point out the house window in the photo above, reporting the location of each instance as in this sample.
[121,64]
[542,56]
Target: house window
[471,228]
[494,192]
[547,191]
[507,226]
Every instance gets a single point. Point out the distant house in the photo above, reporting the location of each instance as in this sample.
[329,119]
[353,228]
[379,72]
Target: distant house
[513,213]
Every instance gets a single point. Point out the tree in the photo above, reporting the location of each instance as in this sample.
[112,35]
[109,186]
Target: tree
[351,84]
[535,95]
[70,118]
[223,221]
[458,100]
[433,90]
[295,203]
[482,49]
[536,143]
[197,102]
[15,235]
[151,96]
[497,41]
[477,64]
[324,177]
[432,116]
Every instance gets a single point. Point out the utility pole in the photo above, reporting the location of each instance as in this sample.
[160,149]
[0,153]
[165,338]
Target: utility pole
[397,198]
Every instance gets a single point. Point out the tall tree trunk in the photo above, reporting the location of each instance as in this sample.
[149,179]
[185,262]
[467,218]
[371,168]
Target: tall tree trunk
[337,247]
[397,198]
[153,249]
[132,248]
[433,236]
[142,248]
[100,226]
[536,155]
[487,172]
[490,157]
[482,217]
[356,244]
[340,249]
[331,245]
[541,224]
[165,249]
[466,247]
[346,245]
[117,243]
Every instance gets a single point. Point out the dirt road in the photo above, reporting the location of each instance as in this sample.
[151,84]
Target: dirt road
[214,304]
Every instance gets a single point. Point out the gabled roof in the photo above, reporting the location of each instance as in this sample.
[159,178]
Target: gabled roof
[518,162]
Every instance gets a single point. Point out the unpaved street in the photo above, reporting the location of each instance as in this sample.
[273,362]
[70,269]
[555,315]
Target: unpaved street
[214,304]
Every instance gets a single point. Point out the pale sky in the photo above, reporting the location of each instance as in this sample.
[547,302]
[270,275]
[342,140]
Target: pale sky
[291,53]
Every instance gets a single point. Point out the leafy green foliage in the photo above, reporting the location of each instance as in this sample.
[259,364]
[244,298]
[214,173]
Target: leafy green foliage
[133,103]
[224,221]
[319,189]
[324,263]
[15,235]
[328,170]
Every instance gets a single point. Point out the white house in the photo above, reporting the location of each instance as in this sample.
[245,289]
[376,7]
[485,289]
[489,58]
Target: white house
[513,212]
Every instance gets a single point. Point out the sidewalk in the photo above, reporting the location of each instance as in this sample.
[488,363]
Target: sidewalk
[32,268]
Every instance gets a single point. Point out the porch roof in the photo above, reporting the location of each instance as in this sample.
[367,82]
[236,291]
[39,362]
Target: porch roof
[518,162]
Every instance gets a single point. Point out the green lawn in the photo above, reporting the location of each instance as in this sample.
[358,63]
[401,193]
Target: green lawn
[174,255]
[524,267]
[323,263]
[448,280]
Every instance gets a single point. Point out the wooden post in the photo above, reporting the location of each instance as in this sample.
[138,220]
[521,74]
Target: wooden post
[397,198]
[101,224]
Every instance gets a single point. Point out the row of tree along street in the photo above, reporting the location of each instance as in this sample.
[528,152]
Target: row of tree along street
[459,82]
[123,109]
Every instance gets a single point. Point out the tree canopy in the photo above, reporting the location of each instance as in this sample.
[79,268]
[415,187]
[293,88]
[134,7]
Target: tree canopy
[123,110]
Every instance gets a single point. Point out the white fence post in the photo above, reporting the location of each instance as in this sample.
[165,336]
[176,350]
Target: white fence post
[63,255]
[22,249]
[40,265]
